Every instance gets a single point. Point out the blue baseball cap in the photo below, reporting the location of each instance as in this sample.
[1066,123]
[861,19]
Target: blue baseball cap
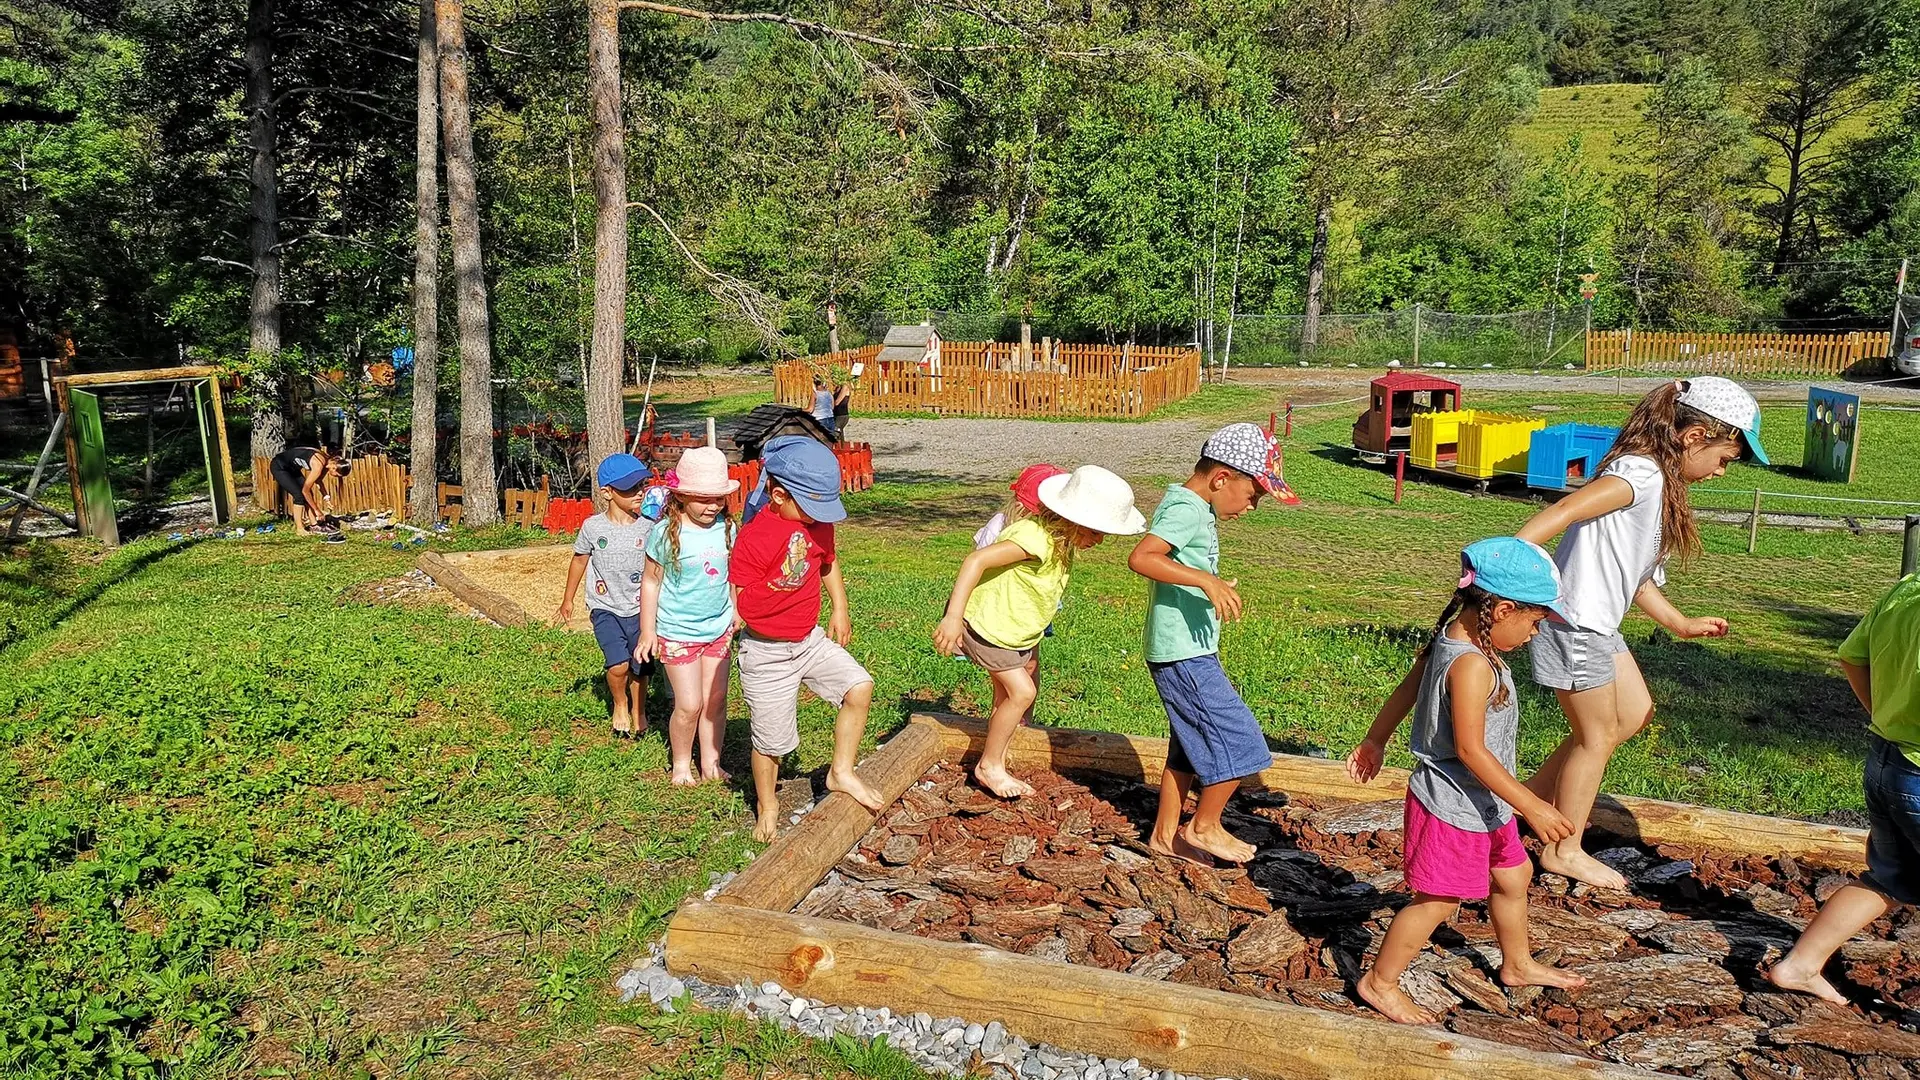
[809,472]
[1513,569]
[621,472]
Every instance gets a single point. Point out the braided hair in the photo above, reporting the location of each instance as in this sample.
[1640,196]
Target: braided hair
[1482,602]
[676,510]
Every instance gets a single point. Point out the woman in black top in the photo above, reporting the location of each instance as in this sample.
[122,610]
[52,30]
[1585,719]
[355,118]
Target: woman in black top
[299,471]
[842,398]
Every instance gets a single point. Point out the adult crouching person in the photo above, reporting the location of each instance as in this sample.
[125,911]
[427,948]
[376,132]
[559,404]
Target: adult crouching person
[299,471]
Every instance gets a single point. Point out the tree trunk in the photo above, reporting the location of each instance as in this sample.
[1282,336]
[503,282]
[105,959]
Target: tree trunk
[267,382]
[423,503]
[480,493]
[1317,271]
[1790,198]
[608,356]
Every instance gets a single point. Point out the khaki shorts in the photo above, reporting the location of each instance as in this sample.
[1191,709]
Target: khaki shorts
[990,656]
[771,674]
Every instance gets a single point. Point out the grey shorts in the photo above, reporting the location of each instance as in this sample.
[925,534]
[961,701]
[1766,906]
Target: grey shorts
[992,657]
[771,674]
[1569,658]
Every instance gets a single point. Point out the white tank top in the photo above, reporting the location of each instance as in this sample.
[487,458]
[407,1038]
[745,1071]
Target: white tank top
[1605,560]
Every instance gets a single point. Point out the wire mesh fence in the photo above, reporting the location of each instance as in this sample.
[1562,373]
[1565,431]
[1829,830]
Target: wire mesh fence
[1545,338]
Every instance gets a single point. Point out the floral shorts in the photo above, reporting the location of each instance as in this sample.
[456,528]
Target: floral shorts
[675,653]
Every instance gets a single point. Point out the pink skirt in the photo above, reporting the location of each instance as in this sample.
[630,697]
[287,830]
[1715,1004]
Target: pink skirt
[1446,860]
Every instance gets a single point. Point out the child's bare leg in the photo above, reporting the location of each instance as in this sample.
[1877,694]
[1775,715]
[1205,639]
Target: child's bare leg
[637,680]
[713,718]
[688,698]
[766,797]
[1845,914]
[1508,908]
[1406,936]
[1033,672]
[1166,839]
[1013,695]
[848,727]
[1204,830]
[1602,718]
[617,681]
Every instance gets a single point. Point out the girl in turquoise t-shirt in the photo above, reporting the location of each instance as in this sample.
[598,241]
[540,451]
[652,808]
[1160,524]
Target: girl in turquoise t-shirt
[686,609]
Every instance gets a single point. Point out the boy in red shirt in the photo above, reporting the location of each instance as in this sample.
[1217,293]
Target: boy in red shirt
[781,558]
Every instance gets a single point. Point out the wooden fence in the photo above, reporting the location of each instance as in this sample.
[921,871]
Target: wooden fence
[991,378]
[1737,354]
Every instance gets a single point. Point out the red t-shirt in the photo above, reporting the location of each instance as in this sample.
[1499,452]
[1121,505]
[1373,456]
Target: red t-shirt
[777,565]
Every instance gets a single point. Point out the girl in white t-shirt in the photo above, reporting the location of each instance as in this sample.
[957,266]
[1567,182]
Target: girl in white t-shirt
[1620,530]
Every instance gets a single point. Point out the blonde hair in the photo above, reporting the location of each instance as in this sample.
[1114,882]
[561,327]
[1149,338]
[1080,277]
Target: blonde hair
[1060,531]
[676,510]
[1657,430]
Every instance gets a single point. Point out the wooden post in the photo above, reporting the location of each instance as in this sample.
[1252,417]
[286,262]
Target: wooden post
[39,468]
[1910,550]
[489,603]
[1399,475]
[1753,523]
[712,438]
[146,485]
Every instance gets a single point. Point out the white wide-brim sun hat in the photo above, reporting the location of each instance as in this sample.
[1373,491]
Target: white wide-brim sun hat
[1093,498]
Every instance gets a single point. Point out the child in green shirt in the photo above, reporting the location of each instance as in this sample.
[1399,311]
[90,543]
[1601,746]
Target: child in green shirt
[1215,738]
[1881,660]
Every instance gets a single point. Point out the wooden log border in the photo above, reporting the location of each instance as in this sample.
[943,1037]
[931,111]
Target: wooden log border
[1165,1025]
[1650,821]
[491,604]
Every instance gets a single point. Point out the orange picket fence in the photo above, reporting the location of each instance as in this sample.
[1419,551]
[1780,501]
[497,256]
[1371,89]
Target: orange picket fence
[1811,354]
[994,378]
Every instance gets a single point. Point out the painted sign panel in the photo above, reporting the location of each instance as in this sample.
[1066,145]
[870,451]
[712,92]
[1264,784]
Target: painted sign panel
[1833,434]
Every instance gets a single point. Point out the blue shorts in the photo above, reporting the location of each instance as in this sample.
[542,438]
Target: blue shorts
[1893,812]
[1215,736]
[617,635]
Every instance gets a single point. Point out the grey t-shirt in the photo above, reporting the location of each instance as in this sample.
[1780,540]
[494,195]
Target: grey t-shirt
[1442,783]
[616,559]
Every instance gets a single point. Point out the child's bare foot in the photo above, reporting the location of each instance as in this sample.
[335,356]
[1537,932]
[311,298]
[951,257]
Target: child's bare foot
[1531,972]
[709,773]
[767,825]
[1391,1001]
[1788,976]
[851,783]
[1001,782]
[622,724]
[683,776]
[1178,848]
[1581,866]
[1218,842]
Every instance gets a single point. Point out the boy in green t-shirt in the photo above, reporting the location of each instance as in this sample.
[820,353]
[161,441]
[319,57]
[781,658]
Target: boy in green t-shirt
[1215,738]
[1881,660]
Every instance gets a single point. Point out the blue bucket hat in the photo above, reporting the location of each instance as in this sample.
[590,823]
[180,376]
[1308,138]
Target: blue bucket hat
[621,472]
[809,471]
[1513,569]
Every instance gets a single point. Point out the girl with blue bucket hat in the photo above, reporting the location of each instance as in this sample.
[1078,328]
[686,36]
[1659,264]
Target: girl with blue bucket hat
[1461,835]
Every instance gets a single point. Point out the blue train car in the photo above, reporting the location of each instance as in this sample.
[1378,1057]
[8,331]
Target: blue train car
[1565,456]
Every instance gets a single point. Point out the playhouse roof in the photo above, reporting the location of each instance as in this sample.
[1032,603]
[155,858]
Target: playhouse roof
[1406,380]
[916,336]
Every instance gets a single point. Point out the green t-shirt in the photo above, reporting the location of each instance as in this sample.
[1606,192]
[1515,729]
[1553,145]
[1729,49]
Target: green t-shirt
[1181,622]
[1887,644]
[1012,605]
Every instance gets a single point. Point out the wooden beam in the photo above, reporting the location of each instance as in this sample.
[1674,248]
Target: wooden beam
[220,440]
[1651,821]
[111,378]
[793,864]
[1164,1024]
[490,603]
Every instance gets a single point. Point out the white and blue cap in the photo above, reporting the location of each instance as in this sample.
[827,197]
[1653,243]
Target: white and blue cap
[1513,569]
[1728,402]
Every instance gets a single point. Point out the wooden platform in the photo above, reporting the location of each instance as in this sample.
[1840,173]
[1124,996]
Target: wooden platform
[512,586]
[748,933]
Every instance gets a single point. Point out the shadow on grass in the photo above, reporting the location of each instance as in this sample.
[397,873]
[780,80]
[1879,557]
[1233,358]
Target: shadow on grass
[13,631]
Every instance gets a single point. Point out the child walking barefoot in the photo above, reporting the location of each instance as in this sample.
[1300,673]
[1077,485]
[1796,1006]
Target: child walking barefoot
[1460,830]
[686,609]
[1881,659]
[1620,530]
[782,559]
[610,555]
[1216,739]
[1007,593]
[1024,504]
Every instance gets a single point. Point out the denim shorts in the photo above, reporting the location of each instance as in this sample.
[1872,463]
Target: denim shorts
[1215,736]
[617,635]
[1893,812]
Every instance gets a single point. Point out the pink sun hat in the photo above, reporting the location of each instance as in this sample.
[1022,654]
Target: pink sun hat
[702,472]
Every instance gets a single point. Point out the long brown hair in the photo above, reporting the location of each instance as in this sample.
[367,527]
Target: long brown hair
[1482,602]
[675,511]
[1656,430]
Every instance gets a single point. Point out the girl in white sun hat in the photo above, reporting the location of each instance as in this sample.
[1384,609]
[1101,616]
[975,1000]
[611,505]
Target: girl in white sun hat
[1621,528]
[686,608]
[1009,591]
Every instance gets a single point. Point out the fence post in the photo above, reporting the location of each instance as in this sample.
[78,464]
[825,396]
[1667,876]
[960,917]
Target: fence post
[1416,333]
[1753,523]
[1400,475]
[1289,419]
[1910,551]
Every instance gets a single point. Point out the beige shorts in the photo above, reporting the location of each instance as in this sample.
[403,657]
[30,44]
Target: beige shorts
[771,674]
[992,657]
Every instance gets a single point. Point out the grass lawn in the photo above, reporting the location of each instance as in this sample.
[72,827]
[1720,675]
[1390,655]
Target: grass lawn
[257,822]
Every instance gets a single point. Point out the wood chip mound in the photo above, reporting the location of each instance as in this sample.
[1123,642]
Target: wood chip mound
[1672,967]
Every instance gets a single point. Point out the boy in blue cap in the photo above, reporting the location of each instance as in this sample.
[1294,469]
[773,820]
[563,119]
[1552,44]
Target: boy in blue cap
[610,554]
[781,559]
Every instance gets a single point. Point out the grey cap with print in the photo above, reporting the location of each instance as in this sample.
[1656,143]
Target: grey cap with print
[1728,402]
[1248,448]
